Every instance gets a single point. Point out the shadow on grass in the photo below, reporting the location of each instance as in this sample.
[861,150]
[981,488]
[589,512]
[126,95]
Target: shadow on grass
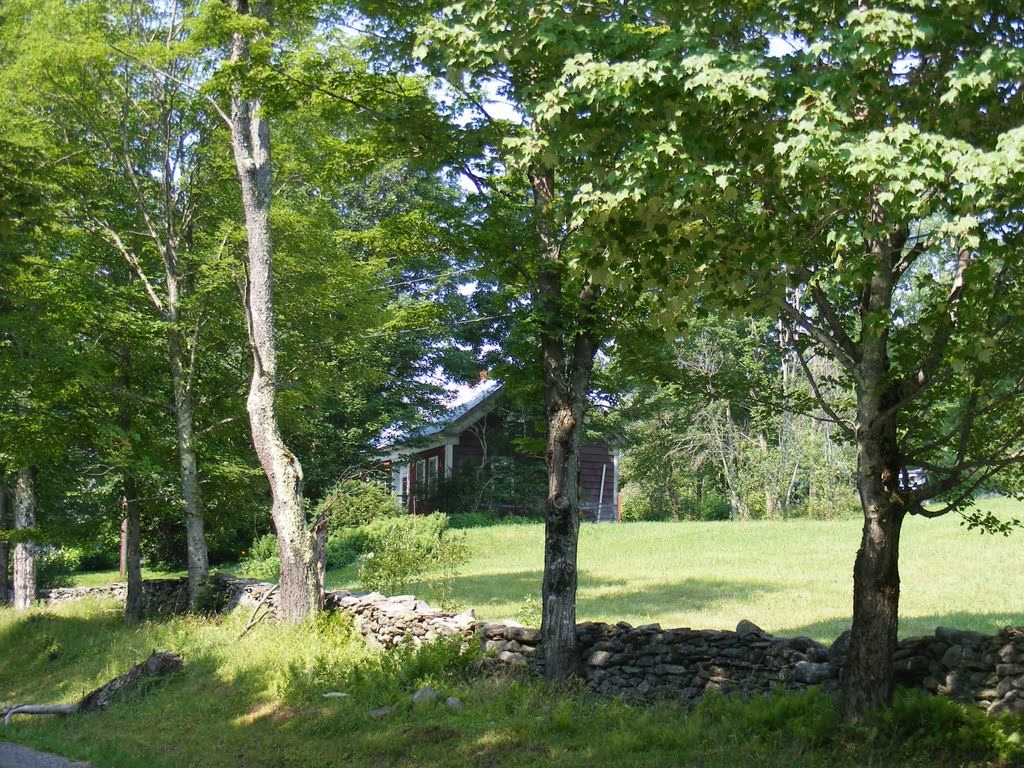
[689,595]
[828,630]
[613,599]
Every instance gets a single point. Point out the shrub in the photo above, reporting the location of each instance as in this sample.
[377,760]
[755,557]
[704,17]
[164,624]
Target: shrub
[56,567]
[354,502]
[402,550]
[261,561]
[345,546]
[920,723]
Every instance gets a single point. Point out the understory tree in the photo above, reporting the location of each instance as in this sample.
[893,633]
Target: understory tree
[725,426]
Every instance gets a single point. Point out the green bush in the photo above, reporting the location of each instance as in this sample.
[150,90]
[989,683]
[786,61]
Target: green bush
[56,567]
[354,502]
[402,550]
[637,507]
[920,723]
[345,546]
[261,561]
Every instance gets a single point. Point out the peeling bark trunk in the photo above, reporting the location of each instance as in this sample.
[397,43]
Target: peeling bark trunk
[5,550]
[24,560]
[250,143]
[320,531]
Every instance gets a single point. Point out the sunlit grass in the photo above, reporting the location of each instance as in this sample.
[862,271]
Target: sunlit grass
[257,701]
[793,577]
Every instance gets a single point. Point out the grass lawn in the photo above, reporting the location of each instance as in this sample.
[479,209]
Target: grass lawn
[257,701]
[790,578]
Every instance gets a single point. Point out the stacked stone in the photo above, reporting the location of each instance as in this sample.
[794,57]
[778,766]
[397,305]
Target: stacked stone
[64,594]
[235,592]
[649,662]
[389,621]
[162,596]
[511,644]
[967,666]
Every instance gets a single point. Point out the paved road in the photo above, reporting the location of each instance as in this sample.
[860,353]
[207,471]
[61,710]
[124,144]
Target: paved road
[15,756]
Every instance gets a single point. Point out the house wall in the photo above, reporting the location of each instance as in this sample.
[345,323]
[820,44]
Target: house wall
[470,449]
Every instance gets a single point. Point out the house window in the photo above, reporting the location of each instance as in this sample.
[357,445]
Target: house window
[421,472]
[432,473]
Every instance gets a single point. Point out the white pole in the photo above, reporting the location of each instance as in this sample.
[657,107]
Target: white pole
[600,495]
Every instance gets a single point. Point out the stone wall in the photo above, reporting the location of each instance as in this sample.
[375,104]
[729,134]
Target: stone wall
[388,621]
[649,662]
[162,596]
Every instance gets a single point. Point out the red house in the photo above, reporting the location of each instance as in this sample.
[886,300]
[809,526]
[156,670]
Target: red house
[475,433]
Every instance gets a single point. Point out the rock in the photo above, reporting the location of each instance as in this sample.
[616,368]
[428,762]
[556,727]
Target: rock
[425,695]
[837,652]
[1011,705]
[745,628]
[454,702]
[959,636]
[526,635]
[380,714]
[1006,670]
[599,659]
[811,673]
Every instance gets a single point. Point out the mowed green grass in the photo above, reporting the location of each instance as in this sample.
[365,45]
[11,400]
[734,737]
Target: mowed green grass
[793,577]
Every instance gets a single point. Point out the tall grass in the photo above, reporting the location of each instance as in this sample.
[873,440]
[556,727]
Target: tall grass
[257,702]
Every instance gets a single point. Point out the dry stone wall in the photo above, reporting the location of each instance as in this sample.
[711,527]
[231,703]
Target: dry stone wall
[162,596]
[649,662]
[389,621]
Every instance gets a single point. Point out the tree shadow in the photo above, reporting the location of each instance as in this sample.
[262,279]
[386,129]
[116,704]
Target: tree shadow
[689,595]
[611,599]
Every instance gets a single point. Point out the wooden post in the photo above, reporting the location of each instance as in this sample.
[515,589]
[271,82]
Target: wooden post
[123,567]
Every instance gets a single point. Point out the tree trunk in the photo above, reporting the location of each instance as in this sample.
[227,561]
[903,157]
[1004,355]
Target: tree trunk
[771,494]
[135,600]
[566,366]
[250,142]
[867,678]
[5,552]
[158,664]
[25,551]
[195,534]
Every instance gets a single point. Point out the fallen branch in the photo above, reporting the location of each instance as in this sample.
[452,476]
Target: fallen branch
[253,621]
[158,664]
